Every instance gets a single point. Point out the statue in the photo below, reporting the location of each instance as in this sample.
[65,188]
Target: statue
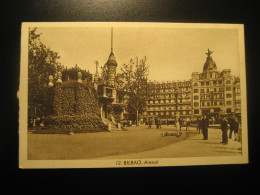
[59,75]
[50,81]
[79,77]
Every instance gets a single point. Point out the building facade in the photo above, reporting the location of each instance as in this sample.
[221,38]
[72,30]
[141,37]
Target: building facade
[168,100]
[211,92]
[215,92]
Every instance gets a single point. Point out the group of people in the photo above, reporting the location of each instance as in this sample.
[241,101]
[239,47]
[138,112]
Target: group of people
[203,125]
[230,123]
[234,127]
[179,123]
[225,123]
[158,123]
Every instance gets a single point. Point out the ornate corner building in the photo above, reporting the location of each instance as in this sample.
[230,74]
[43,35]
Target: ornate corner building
[211,92]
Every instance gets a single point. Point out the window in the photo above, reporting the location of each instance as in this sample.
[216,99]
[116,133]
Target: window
[215,89]
[228,82]
[196,97]
[195,84]
[196,111]
[214,82]
[220,103]
[229,102]
[202,91]
[196,104]
[196,91]
[228,110]
[202,83]
[220,82]
[215,103]
[208,103]
[228,95]
[228,88]
[207,90]
[237,90]
[210,75]
[207,83]
[238,102]
[221,89]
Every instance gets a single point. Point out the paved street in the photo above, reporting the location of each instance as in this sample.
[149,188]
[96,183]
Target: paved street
[193,147]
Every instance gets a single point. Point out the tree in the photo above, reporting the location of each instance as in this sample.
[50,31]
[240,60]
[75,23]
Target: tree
[134,76]
[104,73]
[42,62]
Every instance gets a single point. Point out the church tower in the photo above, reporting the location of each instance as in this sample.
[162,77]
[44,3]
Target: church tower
[111,64]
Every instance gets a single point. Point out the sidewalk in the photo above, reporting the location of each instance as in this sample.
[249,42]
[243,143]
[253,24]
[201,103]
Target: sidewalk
[193,147]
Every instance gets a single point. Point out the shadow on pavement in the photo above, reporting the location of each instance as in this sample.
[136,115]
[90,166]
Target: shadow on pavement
[209,142]
[225,148]
[224,151]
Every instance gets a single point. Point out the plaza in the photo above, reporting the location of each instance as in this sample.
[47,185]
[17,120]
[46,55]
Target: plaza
[136,142]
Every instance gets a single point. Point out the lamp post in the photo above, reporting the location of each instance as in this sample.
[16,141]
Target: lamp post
[211,100]
[211,103]
[176,97]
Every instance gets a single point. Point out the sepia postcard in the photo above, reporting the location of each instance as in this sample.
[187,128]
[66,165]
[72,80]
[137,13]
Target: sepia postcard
[111,94]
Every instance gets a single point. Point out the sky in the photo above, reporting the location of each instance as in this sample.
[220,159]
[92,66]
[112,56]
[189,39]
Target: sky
[173,53]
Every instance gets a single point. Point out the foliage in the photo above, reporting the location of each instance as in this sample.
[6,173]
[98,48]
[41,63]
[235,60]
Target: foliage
[77,124]
[42,62]
[74,99]
[75,108]
[132,84]
[72,74]
[104,73]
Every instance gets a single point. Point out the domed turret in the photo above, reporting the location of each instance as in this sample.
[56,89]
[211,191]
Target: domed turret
[112,59]
[209,65]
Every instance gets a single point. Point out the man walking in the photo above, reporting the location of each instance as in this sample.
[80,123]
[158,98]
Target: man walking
[199,124]
[204,126]
[224,128]
[156,123]
[188,121]
[159,123]
[232,122]
[180,122]
[149,124]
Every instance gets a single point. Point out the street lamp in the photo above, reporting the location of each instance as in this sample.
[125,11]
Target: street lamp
[211,100]
[211,103]
[176,98]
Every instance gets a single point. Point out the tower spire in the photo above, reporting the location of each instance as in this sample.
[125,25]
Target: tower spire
[112,40]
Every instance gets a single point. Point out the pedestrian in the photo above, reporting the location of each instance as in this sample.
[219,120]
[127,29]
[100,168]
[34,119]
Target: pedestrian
[232,123]
[199,124]
[178,127]
[188,121]
[236,127]
[224,128]
[159,123]
[180,122]
[239,134]
[204,126]
[149,124]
